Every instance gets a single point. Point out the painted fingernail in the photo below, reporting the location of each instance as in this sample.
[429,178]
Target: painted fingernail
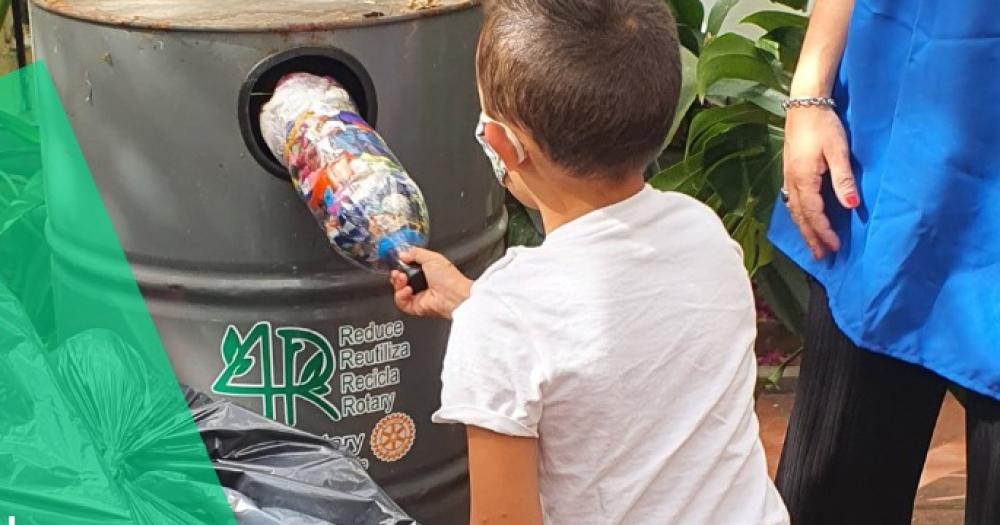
[853,200]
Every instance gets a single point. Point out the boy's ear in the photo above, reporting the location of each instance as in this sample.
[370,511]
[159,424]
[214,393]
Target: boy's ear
[497,138]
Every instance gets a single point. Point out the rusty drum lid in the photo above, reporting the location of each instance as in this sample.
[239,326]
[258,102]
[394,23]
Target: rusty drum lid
[249,15]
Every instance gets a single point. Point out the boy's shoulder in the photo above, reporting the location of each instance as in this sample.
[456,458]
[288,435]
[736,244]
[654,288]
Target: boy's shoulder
[666,207]
[662,232]
[519,274]
[490,299]
[677,204]
[509,271]
[682,216]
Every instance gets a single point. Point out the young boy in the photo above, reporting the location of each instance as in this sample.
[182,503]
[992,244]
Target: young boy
[606,376]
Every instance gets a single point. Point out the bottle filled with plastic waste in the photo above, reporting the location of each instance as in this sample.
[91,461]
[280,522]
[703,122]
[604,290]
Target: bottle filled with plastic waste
[368,206]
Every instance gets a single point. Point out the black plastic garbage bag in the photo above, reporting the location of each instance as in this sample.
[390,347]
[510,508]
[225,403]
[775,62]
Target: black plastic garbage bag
[93,432]
[90,434]
[276,474]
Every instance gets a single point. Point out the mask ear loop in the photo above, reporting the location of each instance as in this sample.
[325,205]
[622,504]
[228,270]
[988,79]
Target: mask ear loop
[518,147]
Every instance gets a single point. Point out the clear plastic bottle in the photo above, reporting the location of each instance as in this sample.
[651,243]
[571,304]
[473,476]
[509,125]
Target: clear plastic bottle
[362,197]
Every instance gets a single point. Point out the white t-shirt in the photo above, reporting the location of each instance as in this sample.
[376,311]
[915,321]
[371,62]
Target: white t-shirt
[625,345]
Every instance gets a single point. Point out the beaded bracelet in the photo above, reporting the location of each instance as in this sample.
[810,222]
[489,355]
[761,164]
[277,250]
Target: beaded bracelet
[808,102]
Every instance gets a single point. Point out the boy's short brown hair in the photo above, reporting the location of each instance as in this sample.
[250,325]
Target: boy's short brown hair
[594,82]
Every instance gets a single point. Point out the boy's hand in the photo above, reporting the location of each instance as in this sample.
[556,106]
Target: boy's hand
[446,286]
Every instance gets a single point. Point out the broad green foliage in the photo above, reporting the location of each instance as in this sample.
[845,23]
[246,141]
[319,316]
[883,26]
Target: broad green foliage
[731,133]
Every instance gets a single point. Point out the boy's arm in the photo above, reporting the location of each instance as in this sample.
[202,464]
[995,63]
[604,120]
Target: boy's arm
[503,472]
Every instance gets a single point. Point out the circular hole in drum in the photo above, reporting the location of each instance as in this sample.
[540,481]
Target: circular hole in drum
[260,84]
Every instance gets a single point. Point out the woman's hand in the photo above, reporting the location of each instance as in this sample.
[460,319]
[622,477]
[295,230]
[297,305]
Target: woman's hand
[446,286]
[816,144]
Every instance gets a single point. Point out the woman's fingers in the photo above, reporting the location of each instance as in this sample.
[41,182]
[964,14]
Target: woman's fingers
[838,157]
[808,235]
[811,210]
[805,202]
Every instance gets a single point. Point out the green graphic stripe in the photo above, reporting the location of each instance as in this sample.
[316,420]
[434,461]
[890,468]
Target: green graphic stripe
[94,428]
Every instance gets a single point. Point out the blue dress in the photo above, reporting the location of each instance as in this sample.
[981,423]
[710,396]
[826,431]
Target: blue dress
[918,276]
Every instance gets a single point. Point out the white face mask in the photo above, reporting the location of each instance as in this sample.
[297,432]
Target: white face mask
[498,167]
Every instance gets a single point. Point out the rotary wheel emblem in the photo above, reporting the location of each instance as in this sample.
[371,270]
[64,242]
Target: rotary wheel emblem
[393,437]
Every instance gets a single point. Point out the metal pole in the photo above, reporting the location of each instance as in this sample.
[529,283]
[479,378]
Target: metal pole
[18,21]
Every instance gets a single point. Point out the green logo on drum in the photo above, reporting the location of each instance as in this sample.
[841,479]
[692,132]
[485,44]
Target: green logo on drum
[309,382]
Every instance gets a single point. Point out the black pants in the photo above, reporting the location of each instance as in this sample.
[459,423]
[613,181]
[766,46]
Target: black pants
[860,430]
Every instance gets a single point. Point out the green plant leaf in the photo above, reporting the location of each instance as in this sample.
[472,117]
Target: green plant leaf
[11,185]
[766,251]
[690,38]
[715,130]
[729,156]
[784,288]
[730,177]
[711,121]
[735,67]
[20,128]
[30,197]
[687,176]
[751,235]
[800,5]
[734,158]
[670,156]
[771,20]
[25,266]
[15,159]
[22,222]
[767,98]
[689,91]
[718,15]
[688,12]
[521,229]
[731,220]
[766,184]
[741,137]
[19,146]
[727,44]
[788,41]
[772,381]
[536,220]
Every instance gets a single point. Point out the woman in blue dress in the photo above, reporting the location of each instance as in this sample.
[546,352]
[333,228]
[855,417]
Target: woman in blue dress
[892,193]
